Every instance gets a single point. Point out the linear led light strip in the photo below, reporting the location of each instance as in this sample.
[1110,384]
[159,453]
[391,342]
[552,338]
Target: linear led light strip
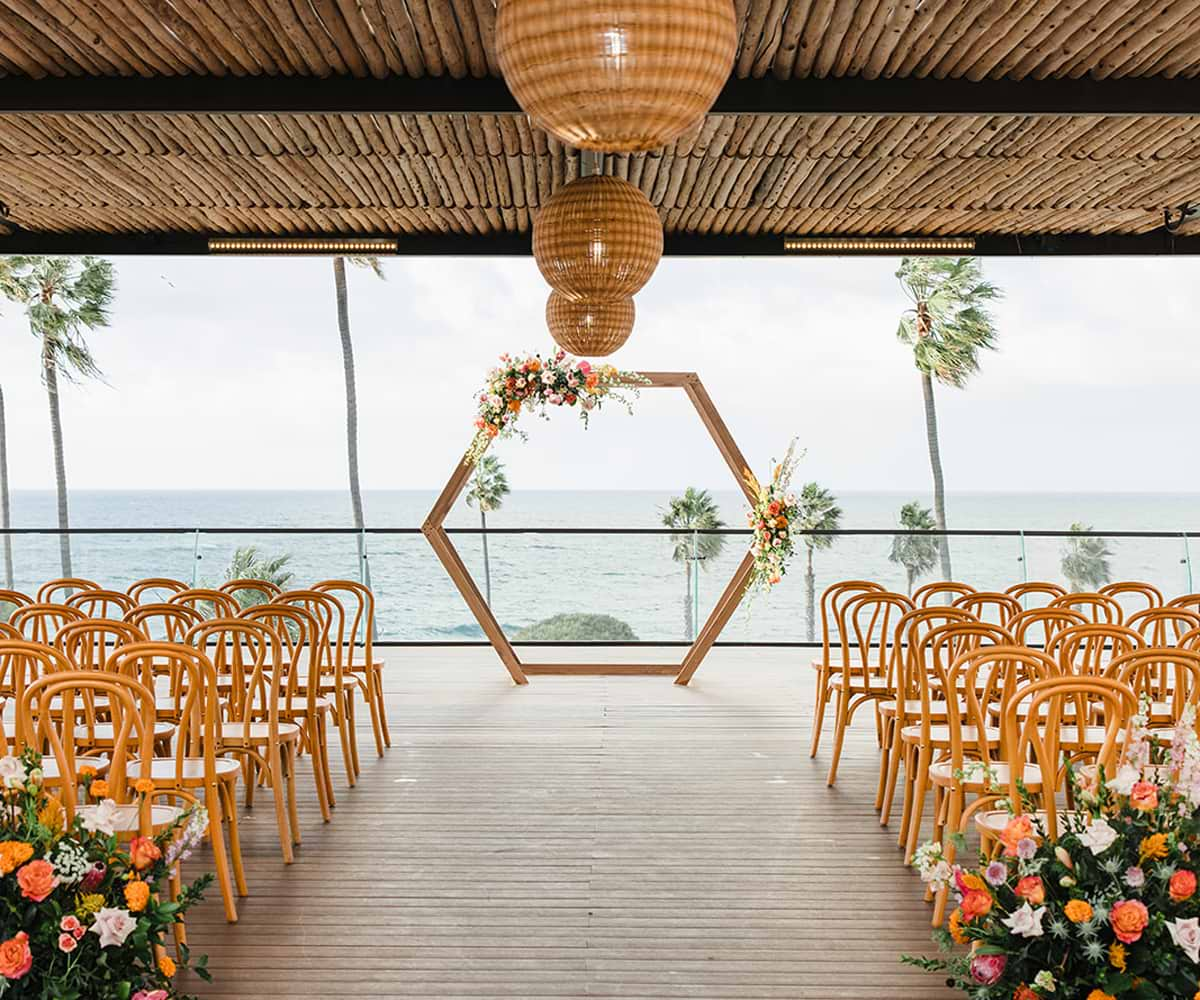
[881,243]
[253,245]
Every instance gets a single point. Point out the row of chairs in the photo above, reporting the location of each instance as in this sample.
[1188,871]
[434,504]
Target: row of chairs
[193,693]
[940,668]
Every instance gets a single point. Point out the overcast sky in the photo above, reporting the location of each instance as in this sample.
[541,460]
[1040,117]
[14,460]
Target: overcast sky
[226,373]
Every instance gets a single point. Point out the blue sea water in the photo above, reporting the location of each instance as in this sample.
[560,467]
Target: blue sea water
[631,577]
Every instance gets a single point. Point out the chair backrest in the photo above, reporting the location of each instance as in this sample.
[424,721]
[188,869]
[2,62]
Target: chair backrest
[1163,626]
[328,610]
[912,628]
[936,651]
[41,622]
[164,622]
[1164,675]
[298,630]
[1043,623]
[1035,593]
[247,652]
[990,606]
[86,644]
[8,632]
[871,637]
[1145,594]
[1098,608]
[833,600]
[21,663]
[1190,640]
[49,592]
[359,604]
[10,600]
[940,592]
[1190,602]
[209,603]
[58,712]
[1084,650]
[1038,736]
[155,589]
[101,603]
[249,592]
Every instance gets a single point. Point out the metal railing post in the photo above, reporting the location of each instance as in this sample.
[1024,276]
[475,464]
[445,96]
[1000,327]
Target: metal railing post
[196,557]
[1187,561]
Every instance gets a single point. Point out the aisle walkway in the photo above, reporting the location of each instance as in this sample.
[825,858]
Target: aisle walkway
[593,837]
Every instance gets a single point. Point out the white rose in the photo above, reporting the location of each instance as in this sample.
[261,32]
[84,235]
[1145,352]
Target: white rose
[1186,935]
[1098,837]
[1026,922]
[100,819]
[12,768]
[1126,777]
[113,925]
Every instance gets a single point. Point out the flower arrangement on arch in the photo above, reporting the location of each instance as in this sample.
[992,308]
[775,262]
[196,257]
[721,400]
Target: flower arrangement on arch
[1108,911]
[82,917]
[771,517]
[532,382]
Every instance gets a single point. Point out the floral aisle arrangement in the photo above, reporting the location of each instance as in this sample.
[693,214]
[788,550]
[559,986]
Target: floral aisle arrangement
[1108,910]
[82,916]
[774,511]
[532,382]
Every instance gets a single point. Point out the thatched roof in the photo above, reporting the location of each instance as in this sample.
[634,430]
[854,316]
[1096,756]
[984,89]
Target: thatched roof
[478,173]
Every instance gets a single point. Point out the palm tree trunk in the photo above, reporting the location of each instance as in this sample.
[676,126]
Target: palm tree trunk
[939,484]
[810,595]
[689,628]
[343,315]
[911,581]
[5,510]
[50,374]
[487,567]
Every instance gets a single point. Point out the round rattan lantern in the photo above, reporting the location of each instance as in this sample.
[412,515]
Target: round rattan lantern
[618,76]
[597,238]
[588,328]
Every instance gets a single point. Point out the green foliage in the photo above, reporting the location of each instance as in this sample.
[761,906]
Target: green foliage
[818,512]
[578,627]
[694,511]
[489,485]
[917,554]
[948,324]
[247,564]
[1085,559]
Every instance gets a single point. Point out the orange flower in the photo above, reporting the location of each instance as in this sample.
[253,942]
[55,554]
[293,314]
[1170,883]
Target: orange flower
[976,904]
[52,815]
[1023,992]
[13,854]
[1129,918]
[1116,956]
[143,786]
[37,880]
[1078,911]
[970,880]
[137,895]
[87,772]
[1030,888]
[1017,829]
[1100,995]
[166,966]
[143,852]
[535,365]
[956,931]
[1182,885]
[15,957]
[1144,796]
[514,405]
[98,789]
[1154,847]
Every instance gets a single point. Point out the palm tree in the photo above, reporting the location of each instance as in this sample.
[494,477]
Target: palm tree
[687,515]
[64,298]
[489,487]
[916,554]
[947,326]
[343,315]
[1085,559]
[5,508]
[818,512]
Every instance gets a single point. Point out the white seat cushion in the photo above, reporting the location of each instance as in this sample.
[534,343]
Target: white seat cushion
[102,732]
[165,768]
[941,734]
[943,772]
[259,731]
[125,818]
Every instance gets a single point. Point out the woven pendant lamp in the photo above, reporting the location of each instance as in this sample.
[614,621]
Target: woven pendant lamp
[588,328]
[618,76]
[597,238]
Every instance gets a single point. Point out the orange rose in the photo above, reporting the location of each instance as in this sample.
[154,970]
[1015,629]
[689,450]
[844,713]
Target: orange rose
[15,957]
[1078,911]
[166,966]
[13,854]
[1144,796]
[143,852]
[975,904]
[1129,918]
[969,880]
[98,789]
[1182,885]
[956,931]
[37,880]
[535,365]
[1017,829]
[1100,995]
[137,895]
[1030,888]
[143,786]
[1023,992]
[87,771]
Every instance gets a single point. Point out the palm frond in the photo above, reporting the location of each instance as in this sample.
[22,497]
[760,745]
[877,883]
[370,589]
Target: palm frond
[695,511]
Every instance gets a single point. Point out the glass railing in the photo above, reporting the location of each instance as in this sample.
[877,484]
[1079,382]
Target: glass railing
[611,585]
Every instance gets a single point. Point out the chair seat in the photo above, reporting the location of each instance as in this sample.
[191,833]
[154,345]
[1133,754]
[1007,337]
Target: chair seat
[939,736]
[298,705]
[912,706]
[942,773]
[260,732]
[98,762]
[125,818]
[101,734]
[862,685]
[360,666]
[163,769]
[993,821]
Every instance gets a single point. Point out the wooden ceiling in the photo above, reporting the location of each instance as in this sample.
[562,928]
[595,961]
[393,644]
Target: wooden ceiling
[113,172]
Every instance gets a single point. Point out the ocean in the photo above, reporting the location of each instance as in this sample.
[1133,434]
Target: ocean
[631,577]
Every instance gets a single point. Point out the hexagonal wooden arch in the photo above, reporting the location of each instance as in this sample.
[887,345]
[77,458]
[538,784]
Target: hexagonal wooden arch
[730,598]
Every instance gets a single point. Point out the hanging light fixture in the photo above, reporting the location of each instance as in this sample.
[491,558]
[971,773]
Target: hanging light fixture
[598,238]
[619,76]
[589,328]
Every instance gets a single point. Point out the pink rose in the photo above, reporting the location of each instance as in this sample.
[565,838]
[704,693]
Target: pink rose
[987,969]
[150,995]
[67,943]
[70,925]
[113,925]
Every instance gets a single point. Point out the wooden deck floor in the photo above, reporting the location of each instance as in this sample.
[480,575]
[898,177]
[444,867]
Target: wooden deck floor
[582,837]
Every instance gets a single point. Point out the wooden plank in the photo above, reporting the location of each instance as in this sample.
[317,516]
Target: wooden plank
[601,669]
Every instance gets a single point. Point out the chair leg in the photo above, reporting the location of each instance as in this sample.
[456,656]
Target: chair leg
[178,929]
[906,808]
[314,759]
[373,705]
[352,729]
[841,719]
[235,842]
[220,860]
[387,736]
[819,709]
[322,748]
[954,814]
[342,722]
[885,748]
[889,791]
[275,768]
[293,816]
[920,789]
